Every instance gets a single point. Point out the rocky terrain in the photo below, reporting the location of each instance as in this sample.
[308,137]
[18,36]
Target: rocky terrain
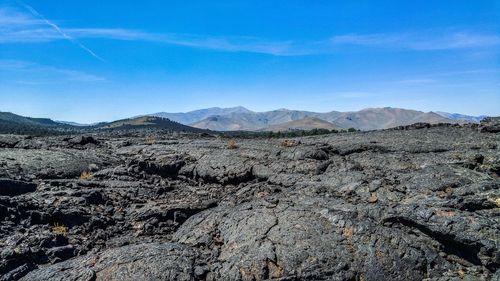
[417,202]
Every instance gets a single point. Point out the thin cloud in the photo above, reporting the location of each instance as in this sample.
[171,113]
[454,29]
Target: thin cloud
[13,70]
[438,78]
[231,44]
[353,95]
[420,42]
[416,81]
[17,27]
[61,32]
[466,72]
[11,17]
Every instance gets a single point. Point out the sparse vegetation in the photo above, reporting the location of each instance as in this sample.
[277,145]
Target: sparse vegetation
[232,144]
[290,143]
[86,175]
[150,141]
[23,129]
[313,132]
[285,134]
[59,229]
[133,187]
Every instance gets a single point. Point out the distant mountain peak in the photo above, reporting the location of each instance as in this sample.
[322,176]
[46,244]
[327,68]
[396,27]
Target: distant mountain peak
[240,118]
[461,117]
[365,119]
[72,123]
[190,117]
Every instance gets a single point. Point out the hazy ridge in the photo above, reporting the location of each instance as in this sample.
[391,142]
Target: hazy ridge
[242,119]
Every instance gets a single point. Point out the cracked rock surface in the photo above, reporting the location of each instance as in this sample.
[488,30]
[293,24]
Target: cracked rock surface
[412,203]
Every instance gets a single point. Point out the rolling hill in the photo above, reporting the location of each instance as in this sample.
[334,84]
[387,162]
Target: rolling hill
[197,115]
[366,119]
[28,121]
[252,121]
[238,119]
[384,118]
[11,123]
[304,124]
[462,117]
[147,122]
[15,124]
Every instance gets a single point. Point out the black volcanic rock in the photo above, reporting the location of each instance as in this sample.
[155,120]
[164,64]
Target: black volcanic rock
[10,141]
[10,187]
[138,262]
[490,125]
[45,163]
[417,202]
[82,140]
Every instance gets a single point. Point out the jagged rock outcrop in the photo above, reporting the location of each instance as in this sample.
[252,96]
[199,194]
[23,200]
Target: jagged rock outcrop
[412,203]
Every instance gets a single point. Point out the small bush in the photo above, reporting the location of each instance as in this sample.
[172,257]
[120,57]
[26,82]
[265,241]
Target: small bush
[290,143]
[232,145]
[59,229]
[150,141]
[86,175]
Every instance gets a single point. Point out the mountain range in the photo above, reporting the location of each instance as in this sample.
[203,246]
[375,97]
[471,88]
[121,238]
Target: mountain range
[240,118]
[198,115]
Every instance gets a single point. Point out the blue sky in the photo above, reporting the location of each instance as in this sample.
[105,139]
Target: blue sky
[90,61]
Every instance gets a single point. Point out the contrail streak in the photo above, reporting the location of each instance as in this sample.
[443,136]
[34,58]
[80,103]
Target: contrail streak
[60,31]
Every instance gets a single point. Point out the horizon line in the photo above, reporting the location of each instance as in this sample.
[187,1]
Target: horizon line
[233,107]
